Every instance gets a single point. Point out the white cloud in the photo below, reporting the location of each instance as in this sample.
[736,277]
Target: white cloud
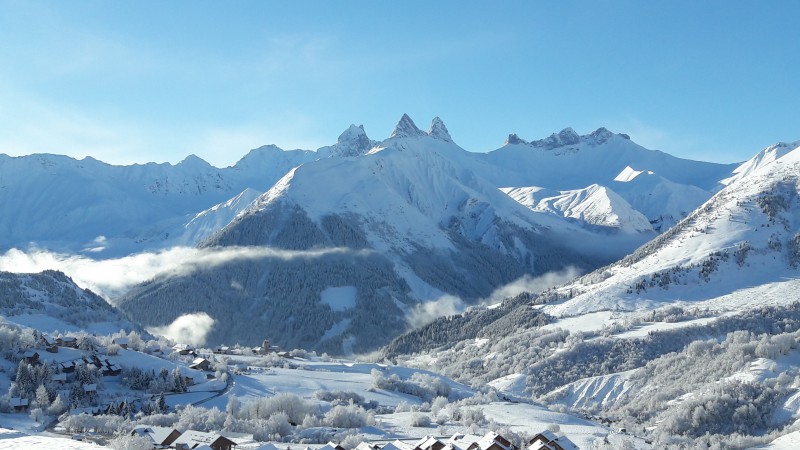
[425,313]
[527,283]
[447,305]
[187,329]
[113,277]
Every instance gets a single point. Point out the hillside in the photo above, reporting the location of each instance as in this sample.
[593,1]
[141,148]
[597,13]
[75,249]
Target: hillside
[50,301]
[670,340]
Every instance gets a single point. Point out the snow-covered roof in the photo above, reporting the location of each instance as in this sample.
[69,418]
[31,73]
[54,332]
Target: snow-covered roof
[17,401]
[86,410]
[397,445]
[427,442]
[492,438]
[268,446]
[59,377]
[547,438]
[157,434]
[198,438]
[331,446]
[90,387]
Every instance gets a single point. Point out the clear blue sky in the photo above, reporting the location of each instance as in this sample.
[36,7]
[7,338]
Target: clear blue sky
[141,81]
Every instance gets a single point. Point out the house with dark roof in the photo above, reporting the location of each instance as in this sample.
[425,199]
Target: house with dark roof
[547,440]
[160,436]
[191,440]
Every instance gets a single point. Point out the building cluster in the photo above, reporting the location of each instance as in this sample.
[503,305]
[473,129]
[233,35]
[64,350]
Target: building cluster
[170,438]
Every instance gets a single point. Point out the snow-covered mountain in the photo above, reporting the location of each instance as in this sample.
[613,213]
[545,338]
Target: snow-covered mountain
[670,341]
[407,223]
[64,204]
[568,161]
[746,235]
[661,187]
[764,157]
[593,205]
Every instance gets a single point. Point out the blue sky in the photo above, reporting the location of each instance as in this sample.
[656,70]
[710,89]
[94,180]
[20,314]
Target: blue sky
[155,81]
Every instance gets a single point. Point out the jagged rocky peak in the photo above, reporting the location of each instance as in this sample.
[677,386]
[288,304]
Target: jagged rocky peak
[600,136]
[353,142]
[439,131]
[353,134]
[513,139]
[567,137]
[406,128]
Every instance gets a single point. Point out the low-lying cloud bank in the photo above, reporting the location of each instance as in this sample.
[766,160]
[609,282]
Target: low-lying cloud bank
[187,329]
[448,305]
[534,285]
[111,278]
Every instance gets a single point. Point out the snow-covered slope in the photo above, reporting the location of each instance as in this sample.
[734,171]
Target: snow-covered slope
[662,201]
[594,205]
[208,222]
[764,157]
[64,204]
[50,301]
[747,234]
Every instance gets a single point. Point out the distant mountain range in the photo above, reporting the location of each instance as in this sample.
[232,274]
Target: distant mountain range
[392,223]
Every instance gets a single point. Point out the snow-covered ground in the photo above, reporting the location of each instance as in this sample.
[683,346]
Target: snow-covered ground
[16,440]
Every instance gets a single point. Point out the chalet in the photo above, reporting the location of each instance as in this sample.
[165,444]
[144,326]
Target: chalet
[547,440]
[110,370]
[331,446]
[429,443]
[269,446]
[18,403]
[46,340]
[493,441]
[183,349]
[121,341]
[51,348]
[90,389]
[67,366]
[223,350]
[59,378]
[200,364]
[153,349]
[396,445]
[159,436]
[67,341]
[90,410]
[367,446]
[31,357]
[191,440]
